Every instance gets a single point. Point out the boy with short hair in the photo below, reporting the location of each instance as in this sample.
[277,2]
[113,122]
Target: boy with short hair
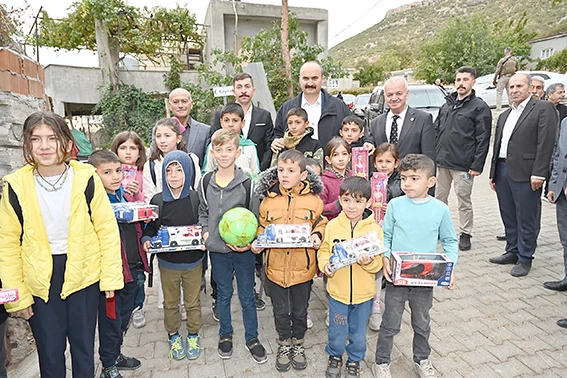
[111,331]
[351,289]
[289,194]
[413,223]
[223,189]
[232,117]
[299,136]
[352,130]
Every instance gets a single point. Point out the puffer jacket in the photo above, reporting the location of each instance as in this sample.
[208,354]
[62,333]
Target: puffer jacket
[93,253]
[301,204]
[356,283]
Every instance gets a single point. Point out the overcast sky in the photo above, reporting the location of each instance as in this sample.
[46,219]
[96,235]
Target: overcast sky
[346,18]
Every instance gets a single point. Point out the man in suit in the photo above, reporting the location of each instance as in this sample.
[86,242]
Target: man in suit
[462,131]
[525,136]
[258,125]
[555,93]
[410,129]
[537,88]
[196,135]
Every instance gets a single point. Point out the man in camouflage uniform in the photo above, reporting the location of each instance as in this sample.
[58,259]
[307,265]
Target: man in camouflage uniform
[507,66]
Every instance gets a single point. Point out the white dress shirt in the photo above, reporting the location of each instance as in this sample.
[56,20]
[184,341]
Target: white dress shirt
[313,113]
[511,121]
[247,119]
[400,122]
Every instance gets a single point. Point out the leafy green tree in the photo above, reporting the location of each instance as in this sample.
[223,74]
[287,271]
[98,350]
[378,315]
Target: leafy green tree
[369,74]
[471,42]
[10,22]
[556,62]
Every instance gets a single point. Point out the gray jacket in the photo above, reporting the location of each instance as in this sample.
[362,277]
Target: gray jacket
[197,137]
[217,202]
[558,180]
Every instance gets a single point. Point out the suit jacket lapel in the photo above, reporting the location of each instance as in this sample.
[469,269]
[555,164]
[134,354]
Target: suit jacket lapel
[529,107]
[500,127]
[382,127]
[253,120]
[408,123]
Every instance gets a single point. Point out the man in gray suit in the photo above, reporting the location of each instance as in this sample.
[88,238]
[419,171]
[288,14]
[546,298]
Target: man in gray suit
[410,129]
[523,145]
[196,135]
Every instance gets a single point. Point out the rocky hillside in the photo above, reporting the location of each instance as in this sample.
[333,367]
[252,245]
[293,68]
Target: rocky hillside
[413,23]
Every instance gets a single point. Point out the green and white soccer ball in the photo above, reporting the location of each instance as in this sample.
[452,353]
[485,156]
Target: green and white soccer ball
[238,227]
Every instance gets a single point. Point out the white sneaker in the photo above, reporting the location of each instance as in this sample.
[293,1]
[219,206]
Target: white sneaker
[381,371]
[327,318]
[138,318]
[309,321]
[425,369]
[375,320]
[182,312]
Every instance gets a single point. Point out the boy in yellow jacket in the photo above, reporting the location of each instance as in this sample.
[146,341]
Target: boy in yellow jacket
[351,288]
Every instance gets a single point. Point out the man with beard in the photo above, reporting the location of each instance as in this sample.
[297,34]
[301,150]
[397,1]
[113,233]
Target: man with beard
[258,126]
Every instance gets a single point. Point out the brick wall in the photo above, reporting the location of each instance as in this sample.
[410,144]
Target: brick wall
[19,74]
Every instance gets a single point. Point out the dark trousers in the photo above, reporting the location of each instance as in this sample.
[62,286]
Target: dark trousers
[140,279]
[241,264]
[57,321]
[290,308]
[520,209]
[3,373]
[420,301]
[111,331]
[561,211]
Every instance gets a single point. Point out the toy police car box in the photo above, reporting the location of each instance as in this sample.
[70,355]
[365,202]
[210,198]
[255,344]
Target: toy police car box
[345,253]
[421,269]
[285,236]
[9,295]
[134,211]
[177,238]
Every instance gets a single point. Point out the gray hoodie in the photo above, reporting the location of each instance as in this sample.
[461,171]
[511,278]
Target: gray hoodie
[218,201]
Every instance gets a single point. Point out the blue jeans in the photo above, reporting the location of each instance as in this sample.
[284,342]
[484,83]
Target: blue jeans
[140,279]
[242,265]
[348,322]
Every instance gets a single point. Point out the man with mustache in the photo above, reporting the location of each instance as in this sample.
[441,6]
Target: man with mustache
[463,134]
[537,89]
[258,126]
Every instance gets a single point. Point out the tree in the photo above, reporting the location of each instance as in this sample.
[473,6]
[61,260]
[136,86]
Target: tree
[369,74]
[556,62]
[10,22]
[471,42]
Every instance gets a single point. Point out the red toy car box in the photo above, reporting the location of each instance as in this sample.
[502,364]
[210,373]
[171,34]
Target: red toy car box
[421,269]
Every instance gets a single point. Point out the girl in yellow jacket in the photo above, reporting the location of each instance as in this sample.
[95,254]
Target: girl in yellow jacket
[60,246]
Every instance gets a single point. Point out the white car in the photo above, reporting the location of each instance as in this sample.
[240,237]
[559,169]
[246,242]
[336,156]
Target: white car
[360,104]
[485,90]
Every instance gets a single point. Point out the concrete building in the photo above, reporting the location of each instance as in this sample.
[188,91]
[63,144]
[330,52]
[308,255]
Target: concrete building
[543,48]
[247,19]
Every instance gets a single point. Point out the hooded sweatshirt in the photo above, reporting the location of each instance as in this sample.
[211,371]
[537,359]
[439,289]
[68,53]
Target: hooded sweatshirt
[176,211]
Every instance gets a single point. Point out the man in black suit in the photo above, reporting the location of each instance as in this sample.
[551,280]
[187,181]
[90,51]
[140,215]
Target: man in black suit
[525,136]
[258,125]
[410,129]
[555,94]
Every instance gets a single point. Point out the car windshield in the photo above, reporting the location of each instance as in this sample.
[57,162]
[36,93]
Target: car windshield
[348,98]
[426,98]
[362,99]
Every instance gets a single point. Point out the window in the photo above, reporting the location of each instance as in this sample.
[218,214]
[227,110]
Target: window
[546,53]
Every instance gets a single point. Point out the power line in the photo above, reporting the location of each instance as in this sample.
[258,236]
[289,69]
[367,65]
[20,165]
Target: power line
[358,19]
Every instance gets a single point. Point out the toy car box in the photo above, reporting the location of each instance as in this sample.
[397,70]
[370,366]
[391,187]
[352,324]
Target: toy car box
[134,211]
[177,238]
[285,236]
[421,269]
[345,253]
[9,295]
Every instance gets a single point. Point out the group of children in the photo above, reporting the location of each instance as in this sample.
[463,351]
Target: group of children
[71,260]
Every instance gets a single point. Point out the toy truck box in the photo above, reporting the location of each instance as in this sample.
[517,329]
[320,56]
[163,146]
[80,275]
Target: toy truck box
[177,238]
[345,253]
[421,269]
[9,295]
[285,236]
[134,211]
[360,162]
[379,195]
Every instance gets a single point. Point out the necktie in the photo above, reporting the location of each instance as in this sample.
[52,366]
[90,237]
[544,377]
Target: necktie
[394,130]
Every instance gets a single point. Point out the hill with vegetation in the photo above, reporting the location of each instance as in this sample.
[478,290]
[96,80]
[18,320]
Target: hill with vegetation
[410,25]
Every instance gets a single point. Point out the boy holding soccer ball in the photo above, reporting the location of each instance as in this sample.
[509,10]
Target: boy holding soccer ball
[223,189]
[290,195]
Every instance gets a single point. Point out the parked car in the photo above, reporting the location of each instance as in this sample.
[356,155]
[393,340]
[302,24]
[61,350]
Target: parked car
[349,99]
[360,104]
[425,97]
[487,91]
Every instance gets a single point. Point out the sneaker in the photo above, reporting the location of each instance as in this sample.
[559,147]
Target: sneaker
[375,320]
[127,363]
[260,304]
[352,369]
[193,347]
[182,312]
[327,318]
[425,369]
[215,311]
[138,318]
[309,321]
[257,350]
[176,347]
[464,242]
[111,372]
[381,371]
[225,347]
[283,356]
[334,367]
[298,359]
